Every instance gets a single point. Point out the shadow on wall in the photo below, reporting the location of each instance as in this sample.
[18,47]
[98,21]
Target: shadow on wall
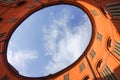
[117,26]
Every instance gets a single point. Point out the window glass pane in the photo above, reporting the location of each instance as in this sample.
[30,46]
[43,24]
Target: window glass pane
[66,77]
[99,36]
[94,12]
[93,53]
[82,67]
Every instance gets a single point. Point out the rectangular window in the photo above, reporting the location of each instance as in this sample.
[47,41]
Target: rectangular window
[99,36]
[114,9]
[92,53]
[105,75]
[108,74]
[5,78]
[12,20]
[7,1]
[66,77]
[94,12]
[117,49]
[82,67]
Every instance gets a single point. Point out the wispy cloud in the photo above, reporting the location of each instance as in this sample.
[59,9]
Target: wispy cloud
[20,59]
[63,42]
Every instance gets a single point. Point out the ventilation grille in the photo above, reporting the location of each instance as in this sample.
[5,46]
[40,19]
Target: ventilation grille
[114,9]
[117,48]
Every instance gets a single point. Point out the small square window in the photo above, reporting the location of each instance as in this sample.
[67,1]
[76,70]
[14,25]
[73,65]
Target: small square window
[92,53]
[66,77]
[82,67]
[12,20]
[99,36]
[94,12]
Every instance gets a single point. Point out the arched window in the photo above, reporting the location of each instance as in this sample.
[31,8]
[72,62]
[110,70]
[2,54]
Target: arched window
[86,77]
[99,63]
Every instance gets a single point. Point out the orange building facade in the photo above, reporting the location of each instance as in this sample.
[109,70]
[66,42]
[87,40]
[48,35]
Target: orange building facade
[101,59]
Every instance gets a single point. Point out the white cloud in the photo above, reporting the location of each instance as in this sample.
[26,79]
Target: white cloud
[65,45]
[19,59]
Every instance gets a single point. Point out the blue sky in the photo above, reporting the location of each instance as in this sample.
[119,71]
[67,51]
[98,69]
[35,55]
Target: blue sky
[49,40]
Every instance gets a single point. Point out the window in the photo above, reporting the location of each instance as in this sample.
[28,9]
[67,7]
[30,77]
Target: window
[82,67]
[99,36]
[8,1]
[1,19]
[117,49]
[21,3]
[86,78]
[66,77]
[109,42]
[94,12]
[93,53]
[99,63]
[108,74]
[114,9]
[2,34]
[5,78]
[12,20]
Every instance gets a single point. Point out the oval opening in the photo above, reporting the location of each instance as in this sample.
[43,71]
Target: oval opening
[49,40]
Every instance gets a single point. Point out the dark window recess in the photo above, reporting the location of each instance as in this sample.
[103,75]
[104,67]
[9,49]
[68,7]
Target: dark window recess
[2,35]
[94,12]
[107,74]
[21,3]
[5,78]
[117,48]
[66,77]
[82,67]
[86,78]
[92,53]
[99,36]
[1,19]
[114,9]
